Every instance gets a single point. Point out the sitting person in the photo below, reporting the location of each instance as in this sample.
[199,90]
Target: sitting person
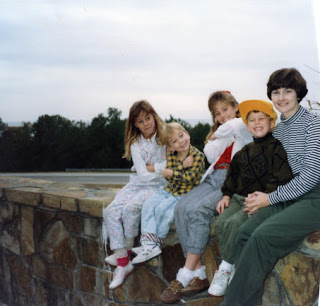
[265,238]
[195,211]
[259,166]
[184,169]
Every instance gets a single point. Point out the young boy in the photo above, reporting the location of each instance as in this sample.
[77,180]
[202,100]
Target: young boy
[259,166]
[184,169]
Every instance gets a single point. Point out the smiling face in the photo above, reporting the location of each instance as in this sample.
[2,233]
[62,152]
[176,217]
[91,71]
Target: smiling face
[285,101]
[223,112]
[146,124]
[259,124]
[179,141]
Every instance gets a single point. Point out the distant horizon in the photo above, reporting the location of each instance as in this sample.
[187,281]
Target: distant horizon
[192,122]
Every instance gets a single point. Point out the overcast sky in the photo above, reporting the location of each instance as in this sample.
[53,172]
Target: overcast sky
[77,58]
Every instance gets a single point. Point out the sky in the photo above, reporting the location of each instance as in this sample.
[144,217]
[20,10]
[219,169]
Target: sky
[77,58]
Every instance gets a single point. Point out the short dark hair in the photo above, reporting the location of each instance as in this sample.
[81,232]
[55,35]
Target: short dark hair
[287,78]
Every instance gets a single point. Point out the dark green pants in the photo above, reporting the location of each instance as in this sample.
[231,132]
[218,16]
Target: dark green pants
[267,236]
[227,226]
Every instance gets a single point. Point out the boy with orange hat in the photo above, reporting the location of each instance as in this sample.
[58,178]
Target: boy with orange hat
[259,166]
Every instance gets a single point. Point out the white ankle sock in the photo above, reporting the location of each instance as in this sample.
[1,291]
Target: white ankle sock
[225,266]
[201,272]
[184,276]
[120,253]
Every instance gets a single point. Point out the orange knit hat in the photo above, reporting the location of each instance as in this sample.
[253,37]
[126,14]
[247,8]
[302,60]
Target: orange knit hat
[248,106]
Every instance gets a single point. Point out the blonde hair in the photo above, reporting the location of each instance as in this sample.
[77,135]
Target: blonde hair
[132,133]
[224,97]
[168,130]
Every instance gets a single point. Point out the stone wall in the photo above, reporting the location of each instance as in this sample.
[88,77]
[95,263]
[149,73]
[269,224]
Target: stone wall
[51,253]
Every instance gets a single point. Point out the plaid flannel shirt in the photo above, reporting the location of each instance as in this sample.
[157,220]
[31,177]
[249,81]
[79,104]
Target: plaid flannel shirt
[184,179]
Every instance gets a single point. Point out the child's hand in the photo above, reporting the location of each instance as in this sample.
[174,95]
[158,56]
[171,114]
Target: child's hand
[167,173]
[222,204]
[188,162]
[150,168]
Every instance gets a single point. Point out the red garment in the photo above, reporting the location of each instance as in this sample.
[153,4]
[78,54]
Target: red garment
[225,158]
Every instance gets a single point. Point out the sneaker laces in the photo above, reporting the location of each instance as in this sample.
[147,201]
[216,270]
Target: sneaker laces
[175,286]
[147,248]
[193,280]
[221,277]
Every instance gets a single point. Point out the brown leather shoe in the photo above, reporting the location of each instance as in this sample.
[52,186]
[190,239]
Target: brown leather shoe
[172,294]
[195,285]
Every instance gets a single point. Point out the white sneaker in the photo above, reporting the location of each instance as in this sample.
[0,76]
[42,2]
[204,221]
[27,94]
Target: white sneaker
[220,282]
[111,260]
[148,252]
[120,274]
[135,251]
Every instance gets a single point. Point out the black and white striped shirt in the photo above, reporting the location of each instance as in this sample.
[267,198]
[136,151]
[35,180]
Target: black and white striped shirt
[300,137]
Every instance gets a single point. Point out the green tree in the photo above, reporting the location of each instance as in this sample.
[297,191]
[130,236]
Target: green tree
[17,148]
[184,123]
[105,136]
[51,134]
[197,133]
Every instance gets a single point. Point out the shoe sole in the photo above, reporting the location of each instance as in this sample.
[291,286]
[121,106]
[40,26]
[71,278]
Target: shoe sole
[193,292]
[123,280]
[215,294]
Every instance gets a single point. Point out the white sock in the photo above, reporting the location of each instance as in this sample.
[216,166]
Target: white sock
[184,276]
[201,272]
[120,253]
[225,266]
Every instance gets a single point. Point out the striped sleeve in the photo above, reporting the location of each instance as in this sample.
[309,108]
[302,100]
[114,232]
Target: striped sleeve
[301,140]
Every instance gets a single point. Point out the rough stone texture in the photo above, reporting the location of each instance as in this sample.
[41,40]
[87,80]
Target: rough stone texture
[27,195]
[27,240]
[10,236]
[208,301]
[173,260]
[71,222]
[51,253]
[91,227]
[300,275]
[88,251]
[40,295]
[87,279]
[39,267]
[21,273]
[62,276]
[56,247]
[94,205]
[41,221]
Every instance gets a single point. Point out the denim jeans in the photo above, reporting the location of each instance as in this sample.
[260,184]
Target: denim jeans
[157,213]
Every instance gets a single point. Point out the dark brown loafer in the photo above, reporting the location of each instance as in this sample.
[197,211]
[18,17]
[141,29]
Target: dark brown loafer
[196,285]
[172,294]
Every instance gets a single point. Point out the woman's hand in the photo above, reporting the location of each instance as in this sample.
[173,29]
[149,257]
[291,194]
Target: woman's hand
[212,137]
[222,204]
[150,168]
[255,201]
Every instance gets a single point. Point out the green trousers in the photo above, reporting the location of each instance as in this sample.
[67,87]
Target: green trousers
[270,234]
[227,226]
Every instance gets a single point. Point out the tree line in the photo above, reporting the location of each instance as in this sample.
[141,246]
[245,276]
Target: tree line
[55,143]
